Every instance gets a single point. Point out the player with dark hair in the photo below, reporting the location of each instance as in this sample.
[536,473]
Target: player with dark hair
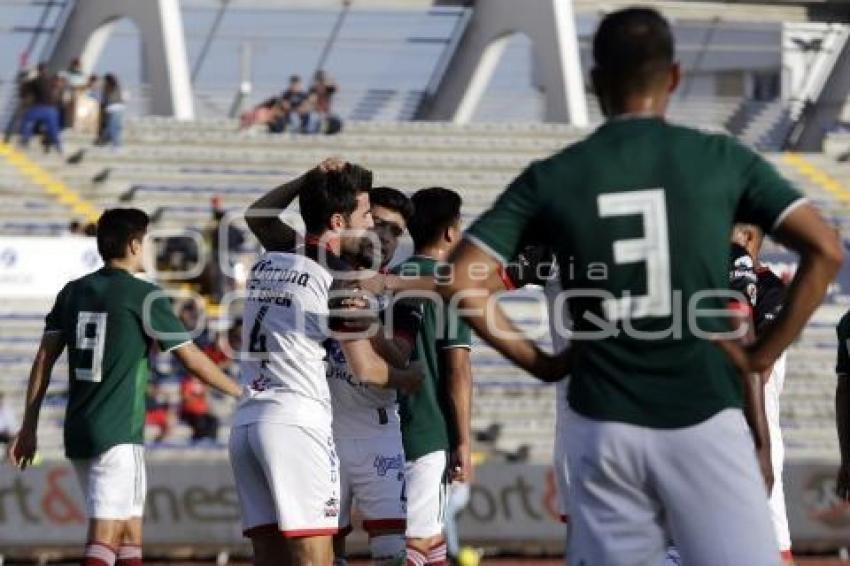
[108,320]
[657,444]
[769,299]
[291,507]
[435,422]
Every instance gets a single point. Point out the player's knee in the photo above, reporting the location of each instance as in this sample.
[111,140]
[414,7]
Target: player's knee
[387,549]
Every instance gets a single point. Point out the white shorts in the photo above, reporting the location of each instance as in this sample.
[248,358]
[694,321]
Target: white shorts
[372,480]
[287,479]
[427,485]
[778,513]
[634,489]
[114,483]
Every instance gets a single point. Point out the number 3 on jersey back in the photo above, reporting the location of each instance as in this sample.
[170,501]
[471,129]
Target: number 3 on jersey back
[653,249]
[91,335]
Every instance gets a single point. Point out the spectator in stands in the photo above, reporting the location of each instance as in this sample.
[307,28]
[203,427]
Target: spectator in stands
[195,409]
[39,97]
[7,421]
[158,413]
[294,93]
[324,88]
[75,228]
[306,119]
[217,278]
[112,112]
[74,74]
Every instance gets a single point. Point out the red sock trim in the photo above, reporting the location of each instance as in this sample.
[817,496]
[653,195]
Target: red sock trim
[437,554]
[786,555]
[301,533]
[415,558]
[98,554]
[129,555]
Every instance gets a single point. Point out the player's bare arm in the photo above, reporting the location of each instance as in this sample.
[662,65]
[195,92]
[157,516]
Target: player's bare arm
[756,415]
[459,368]
[206,370]
[491,323]
[370,368]
[22,449]
[395,350]
[842,422]
[807,233]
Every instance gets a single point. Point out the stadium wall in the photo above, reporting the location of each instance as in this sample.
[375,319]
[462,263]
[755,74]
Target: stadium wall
[193,505]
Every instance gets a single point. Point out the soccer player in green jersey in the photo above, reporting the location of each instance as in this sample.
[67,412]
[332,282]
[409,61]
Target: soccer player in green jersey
[639,215]
[108,320]
[435,421]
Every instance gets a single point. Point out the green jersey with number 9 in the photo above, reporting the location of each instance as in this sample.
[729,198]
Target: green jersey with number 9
[640,215]
[108,320]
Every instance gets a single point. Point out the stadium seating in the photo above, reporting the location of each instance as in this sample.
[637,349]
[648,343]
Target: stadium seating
[174,168]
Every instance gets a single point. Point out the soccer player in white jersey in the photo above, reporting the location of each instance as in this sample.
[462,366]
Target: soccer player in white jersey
[281,446]
[770,295]
[366,425]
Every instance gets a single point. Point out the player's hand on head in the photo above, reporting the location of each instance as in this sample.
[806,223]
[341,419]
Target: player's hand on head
[842,482]
[332,164]
[22,449]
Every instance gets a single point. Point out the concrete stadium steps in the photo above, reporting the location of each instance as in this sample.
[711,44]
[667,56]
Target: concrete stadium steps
[177,167]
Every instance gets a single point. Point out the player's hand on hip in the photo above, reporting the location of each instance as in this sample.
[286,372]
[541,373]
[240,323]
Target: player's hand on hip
[22,449]
[555,367]
[460,464]
[842,482]
[747,359]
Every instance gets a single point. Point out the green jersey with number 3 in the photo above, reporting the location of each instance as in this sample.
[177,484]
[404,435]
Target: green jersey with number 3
[107,319]
[640,215]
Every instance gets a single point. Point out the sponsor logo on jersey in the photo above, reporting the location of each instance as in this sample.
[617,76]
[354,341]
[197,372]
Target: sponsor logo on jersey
[332,507]
[384,464]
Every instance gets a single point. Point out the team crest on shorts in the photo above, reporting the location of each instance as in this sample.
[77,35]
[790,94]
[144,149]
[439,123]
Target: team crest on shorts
[332,507]
[383,464]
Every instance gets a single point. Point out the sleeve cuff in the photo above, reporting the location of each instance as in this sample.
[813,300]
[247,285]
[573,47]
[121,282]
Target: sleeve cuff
[174,347]
[788,210]
[453,346]
[478,242]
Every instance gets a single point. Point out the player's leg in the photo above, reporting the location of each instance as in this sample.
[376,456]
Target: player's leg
[713,493]
[426,498]
[256,499]
[130,549]
[114,488]
[380,493]
[306,489]
[778,513]
[615,518]
[346,452]
[310,551]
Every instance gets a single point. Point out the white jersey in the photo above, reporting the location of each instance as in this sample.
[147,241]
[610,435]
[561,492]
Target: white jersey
[359,410]
[284,326]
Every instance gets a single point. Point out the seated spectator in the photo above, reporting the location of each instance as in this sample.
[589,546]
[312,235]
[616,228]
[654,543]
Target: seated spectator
[195,409]
[294,93]
[261,114]
[8,424]
[306,117]
[158,413]
[87,108]
[42,108]
[112,112]
[324,88]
